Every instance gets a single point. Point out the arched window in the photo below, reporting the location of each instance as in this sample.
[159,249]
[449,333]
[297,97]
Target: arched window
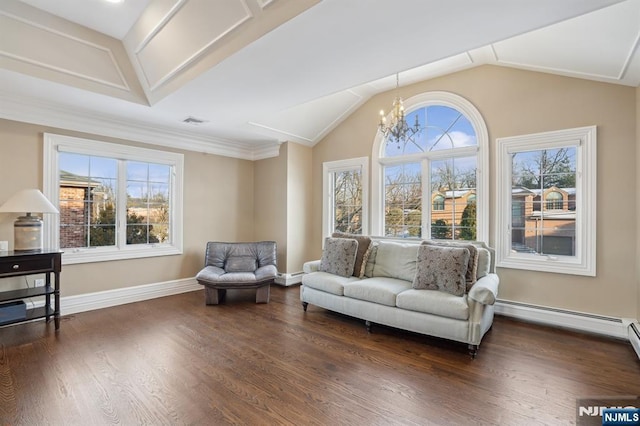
[554,201]
[438,202]
[443,161]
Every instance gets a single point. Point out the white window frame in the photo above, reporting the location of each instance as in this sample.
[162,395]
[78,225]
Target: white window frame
[378,161]
[53,144]
[584,261]
[328,169]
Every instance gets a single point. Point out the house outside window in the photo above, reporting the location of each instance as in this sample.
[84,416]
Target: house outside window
[546,201]
[433,185]
[115,201]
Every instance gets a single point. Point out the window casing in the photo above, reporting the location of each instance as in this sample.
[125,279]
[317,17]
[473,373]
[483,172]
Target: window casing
[345,196]
[546,202]
[115,201]
[449,161]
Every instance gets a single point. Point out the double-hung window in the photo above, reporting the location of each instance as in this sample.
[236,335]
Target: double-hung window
[433,184]
[546,201]
[345,196]
[115,201]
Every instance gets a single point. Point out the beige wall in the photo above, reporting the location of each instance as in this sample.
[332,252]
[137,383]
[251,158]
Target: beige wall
[283,204]
[299,225]
[218,205]
[270,199]
[515,102]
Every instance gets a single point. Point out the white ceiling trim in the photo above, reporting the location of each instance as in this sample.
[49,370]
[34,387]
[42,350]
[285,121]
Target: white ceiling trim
[312,139]
[35,111]
[627,62]
[123,82]
[264,3]
[562,71]
[153,86]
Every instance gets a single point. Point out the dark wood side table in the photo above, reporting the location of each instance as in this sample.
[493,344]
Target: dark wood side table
[20,263]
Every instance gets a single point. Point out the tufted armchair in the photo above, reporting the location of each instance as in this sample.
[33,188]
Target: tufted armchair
[238,265]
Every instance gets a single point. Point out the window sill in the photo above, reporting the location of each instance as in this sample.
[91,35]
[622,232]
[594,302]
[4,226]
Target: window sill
[553,264]
[70,257]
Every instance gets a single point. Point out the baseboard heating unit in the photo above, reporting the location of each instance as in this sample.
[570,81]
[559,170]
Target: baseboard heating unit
[634,337]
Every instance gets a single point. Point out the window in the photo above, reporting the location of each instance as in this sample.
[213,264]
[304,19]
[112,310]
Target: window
[438,202]
[432,184]
[345,196]
[546,202]
[115,201]
[554,199]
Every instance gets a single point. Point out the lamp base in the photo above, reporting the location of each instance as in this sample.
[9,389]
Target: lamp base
[27,233]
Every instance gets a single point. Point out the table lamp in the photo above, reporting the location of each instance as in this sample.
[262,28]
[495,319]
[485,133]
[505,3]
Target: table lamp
[27,230]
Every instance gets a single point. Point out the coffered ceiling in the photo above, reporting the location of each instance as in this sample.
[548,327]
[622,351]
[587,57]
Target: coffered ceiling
[249,74]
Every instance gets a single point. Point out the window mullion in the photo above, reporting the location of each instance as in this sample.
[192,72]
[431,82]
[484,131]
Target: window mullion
[121,202]
[426,197]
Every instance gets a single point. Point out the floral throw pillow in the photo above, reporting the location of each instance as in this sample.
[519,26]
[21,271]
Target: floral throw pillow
[472,268]
[364,248]
[442,268]
[339,256]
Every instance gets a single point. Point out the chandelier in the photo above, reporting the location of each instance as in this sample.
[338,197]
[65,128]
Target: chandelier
[397,131]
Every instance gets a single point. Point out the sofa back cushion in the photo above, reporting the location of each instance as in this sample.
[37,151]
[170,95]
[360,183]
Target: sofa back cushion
[339,256]
[371,260]
[364,245]
[395,260]
[484,262]
[241,264]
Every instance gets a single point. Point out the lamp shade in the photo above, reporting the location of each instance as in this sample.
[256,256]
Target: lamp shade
[28,201]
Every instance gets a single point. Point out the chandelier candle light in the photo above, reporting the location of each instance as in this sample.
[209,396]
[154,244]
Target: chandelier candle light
[27,230]
[397,130]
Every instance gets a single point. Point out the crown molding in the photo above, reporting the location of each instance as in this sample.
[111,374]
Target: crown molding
[44,113]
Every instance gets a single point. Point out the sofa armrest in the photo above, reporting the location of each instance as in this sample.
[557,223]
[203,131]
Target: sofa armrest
[485,290]
[311,266]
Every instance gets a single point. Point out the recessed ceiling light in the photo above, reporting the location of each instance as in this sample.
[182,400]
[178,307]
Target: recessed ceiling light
[114,1]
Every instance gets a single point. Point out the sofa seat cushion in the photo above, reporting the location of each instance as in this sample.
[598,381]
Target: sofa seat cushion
[327,282]
[434,302]
[215,275]
[377,290]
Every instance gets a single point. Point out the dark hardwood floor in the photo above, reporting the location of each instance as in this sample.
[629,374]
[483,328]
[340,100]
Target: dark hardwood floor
[173,361]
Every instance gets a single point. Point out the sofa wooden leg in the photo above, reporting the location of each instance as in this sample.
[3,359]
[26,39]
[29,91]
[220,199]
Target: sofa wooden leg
[473,351]
[304,306]
[214,296]
[368,325]
[262,294]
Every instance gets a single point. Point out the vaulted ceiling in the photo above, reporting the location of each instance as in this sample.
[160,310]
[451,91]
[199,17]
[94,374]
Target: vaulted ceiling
[259,72]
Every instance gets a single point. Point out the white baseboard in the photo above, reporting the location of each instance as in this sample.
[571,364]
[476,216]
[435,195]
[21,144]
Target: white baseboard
[289,279]
[104,299]
[591,323]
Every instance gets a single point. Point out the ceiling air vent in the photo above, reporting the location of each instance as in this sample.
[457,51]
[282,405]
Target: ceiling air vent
[194,121]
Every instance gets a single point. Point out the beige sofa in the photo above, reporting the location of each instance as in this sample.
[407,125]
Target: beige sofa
[383,292]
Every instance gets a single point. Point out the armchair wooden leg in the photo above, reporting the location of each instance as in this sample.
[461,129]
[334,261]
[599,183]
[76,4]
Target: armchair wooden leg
[304,306]
[262,294]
